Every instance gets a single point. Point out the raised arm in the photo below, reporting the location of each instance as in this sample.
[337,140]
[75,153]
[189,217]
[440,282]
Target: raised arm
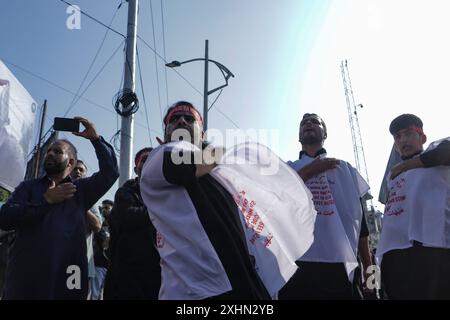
[100,182]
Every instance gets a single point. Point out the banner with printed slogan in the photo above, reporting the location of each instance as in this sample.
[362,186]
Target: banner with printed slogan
[276,209]
[17,115]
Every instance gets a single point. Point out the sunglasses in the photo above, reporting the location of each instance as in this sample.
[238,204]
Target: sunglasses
[187,117]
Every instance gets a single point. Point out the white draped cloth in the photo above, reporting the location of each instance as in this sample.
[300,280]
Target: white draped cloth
[418,209]
[276,208]
[337,195]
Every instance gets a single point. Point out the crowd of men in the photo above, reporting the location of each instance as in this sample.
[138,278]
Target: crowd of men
[175,232]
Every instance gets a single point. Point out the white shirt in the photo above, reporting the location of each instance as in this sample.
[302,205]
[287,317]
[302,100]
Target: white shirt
[418,209]
[336,196]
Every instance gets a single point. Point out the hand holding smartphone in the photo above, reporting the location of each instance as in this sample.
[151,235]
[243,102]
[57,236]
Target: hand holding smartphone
[66,124]
[73,125]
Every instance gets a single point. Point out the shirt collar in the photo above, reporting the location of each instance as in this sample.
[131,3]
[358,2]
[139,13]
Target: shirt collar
[319,152]
[47,179]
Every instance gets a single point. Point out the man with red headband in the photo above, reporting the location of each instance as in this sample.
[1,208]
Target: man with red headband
[414,248]
[200,239]
[183,121]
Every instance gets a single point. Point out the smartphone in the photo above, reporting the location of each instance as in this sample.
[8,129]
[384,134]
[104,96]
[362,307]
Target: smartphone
[66,124]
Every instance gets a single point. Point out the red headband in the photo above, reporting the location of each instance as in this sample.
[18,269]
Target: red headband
[418,130]
[413,127]
[184,109]
[138,159]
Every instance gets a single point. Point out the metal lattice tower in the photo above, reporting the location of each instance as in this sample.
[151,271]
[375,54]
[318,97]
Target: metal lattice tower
[373,217]
[358,148]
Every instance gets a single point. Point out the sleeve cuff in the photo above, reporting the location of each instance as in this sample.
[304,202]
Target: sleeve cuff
[97,141]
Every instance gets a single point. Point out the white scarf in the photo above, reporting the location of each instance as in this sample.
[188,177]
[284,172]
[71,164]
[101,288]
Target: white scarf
[190,266]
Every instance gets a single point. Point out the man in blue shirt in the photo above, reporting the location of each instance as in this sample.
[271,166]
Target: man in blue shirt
[48,257]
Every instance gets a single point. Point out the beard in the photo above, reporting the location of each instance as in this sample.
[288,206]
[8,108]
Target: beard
[185,133]
[76,176]
[310,139]
[52,167]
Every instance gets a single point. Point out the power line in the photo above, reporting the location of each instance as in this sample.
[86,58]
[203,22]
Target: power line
[156,61]
[122,35]
[179,74]
[117,32]
[37,140]
[95,58]
[217,97]
[67,91]
[151,48]
[95,77]
[143,97]
[96,20]
[188,82]
[156,53]
[55,85]
[164,48]
[115,142]
[227,117]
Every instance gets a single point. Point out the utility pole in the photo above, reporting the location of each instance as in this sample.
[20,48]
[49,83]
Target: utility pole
[127,128]
[205,90]
[38,151]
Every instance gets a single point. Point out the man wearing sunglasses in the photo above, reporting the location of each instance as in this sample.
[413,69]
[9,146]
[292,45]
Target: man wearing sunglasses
[327,270]
[200,238]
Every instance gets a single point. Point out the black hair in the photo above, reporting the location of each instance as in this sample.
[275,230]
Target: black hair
[309,115]
[107,201]
[176,104]
[404,121]
[82,162]
[72,150]
[138,154]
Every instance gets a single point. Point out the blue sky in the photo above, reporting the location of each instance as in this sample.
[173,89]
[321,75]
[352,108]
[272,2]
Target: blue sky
[285,55]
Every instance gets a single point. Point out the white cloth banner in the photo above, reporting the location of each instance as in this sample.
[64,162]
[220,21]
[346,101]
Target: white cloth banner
[276,208]
[17,113]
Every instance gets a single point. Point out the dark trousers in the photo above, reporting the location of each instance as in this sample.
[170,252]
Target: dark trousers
[318,281]
[416,273]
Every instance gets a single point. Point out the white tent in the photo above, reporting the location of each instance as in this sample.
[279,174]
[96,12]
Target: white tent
[17,114]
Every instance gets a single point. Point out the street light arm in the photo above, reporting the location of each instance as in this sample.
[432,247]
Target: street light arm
[222,67]
[227,74]
[192,60]
[218,88]
[218,64]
